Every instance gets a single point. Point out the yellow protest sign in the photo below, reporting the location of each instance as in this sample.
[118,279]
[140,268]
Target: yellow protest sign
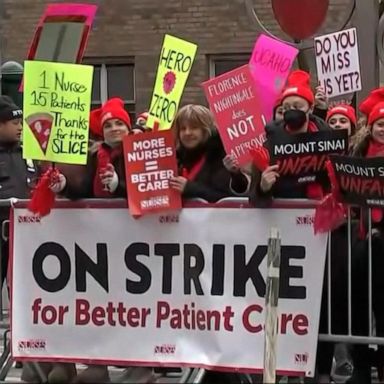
[57,99]
[176,59]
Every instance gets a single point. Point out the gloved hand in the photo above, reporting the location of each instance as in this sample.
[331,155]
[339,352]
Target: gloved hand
[109,178]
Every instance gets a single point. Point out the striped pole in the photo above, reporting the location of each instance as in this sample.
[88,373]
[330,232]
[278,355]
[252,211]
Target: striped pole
[271,302]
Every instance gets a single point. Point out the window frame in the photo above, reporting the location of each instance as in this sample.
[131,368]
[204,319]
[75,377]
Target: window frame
[103,64]
[212,59]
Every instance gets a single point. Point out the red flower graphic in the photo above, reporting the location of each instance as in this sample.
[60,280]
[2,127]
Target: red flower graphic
[169,82]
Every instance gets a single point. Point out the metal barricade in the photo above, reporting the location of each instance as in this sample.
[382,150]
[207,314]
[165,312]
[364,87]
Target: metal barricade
[348,236]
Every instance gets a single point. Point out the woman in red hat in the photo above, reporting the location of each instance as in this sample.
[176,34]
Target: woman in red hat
[370,145]
[104,174]
[342,116]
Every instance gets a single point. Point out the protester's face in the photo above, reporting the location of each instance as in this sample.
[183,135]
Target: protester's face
[378,131]
[11,130]
[191,137]
[338,121]
[279,114]
[295,103]
[114,130]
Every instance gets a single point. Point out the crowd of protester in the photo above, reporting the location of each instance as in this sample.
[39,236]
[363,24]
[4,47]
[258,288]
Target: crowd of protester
[207,172]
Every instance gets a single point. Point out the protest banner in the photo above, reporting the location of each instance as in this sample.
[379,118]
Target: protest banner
[57,101]
[150,161]
[303,156]
[270,65]
[176,59]
[235,104]
[337,61]
[181,287]
[360,180]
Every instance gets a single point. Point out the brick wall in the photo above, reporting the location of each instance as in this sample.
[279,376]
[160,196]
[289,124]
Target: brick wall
[135,28]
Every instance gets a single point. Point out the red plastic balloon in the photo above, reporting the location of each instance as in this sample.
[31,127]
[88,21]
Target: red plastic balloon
[300,19]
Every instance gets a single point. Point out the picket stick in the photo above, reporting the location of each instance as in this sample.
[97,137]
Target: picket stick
[271,306]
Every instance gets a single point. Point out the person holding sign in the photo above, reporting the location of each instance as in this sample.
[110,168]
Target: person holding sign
[104,174]
[371,145]
[298,103]
[200,155]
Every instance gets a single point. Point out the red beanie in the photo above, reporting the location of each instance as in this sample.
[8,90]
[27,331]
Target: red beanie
[376,96]
[377,113]
[114,109]
[345,110]
[298,84]
[95,123]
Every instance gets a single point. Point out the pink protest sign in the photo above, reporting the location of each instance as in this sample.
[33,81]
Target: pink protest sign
[233,100]
[270,65]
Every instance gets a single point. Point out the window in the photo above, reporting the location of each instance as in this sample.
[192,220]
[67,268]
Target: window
[219,64]
[113,79]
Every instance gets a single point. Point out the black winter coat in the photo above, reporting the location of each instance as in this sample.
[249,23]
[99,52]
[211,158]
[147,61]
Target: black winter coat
[283,188]
[212,182]
[17,175]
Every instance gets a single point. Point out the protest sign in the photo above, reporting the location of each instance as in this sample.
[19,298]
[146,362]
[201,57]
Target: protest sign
[270,65]
[337,61]
[150,161]
[233,101]
[62,33]
[176,59]
[57,100]
[181,287]
[303,156]
[360,180]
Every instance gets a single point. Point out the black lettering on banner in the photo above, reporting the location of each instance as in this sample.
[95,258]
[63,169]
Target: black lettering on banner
[291,272]
[61,280]
[174,60]
[360,180]
[192,273]
[98,270]
[302,157]
[163,109]
[218,266]
[135,266]
[244,271]
[167,251]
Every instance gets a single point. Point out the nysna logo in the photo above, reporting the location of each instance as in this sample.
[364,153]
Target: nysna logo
[29,219]
[301,358]
[165,349]
[305,220]
[32,345]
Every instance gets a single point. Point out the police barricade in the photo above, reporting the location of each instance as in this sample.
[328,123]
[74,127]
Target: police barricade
[195,375]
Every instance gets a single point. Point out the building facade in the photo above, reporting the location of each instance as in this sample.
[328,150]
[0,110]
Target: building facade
[127,35]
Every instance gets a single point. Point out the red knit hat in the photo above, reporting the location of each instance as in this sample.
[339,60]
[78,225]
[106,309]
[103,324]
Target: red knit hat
[298,84]
[377,113]
[114,109]
[345,110]
[95,123]
[376,96]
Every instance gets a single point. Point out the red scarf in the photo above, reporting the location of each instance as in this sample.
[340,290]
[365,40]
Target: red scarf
[105,155]
[191,174]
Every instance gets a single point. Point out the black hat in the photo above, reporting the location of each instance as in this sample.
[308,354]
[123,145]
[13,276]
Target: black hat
[9,110]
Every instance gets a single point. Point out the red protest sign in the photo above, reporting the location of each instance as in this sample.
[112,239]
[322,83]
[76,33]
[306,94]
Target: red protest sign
[150,161]
[233,100]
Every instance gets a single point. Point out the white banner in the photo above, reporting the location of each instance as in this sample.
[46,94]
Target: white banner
[96,284]
[337,61]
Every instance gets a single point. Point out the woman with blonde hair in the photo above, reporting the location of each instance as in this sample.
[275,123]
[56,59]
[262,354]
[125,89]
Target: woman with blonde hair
[200,153]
